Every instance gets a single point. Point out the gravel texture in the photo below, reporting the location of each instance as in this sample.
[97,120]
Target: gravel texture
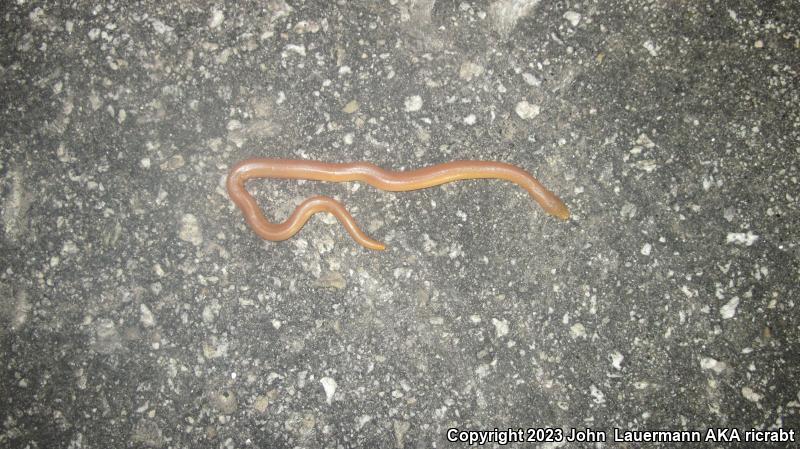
[138,310]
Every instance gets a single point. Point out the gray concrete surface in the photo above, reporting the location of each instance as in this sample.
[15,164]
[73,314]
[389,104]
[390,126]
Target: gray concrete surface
[137,310]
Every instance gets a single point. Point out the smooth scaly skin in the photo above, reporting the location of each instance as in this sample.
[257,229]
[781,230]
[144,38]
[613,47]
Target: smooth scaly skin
[394,181]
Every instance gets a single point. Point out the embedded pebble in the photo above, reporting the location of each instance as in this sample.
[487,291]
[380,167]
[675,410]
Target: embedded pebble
[173,163]
[651,48]
[215,348]
[14,309]
[190,230]
[224,402]
[15,205]
[470,70]
[332,280]
[146,316]
[400,430]
[505,14]
[712,364]
[729,309]
[351,107]
[577,330]
[751,395]
[531,79]
[572,17]
[741,238]
[148,433]
[628,210]
[216,18]
[597,394]
[298,49]
[526,111]
[306,26]
[261,403]
[413,103]
[616,360]
[500,327]
[233,125]
[329,385]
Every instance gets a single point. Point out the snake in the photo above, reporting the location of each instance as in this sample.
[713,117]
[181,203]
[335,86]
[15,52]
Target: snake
[393,181]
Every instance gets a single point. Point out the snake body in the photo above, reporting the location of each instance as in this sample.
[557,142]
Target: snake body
[394,181]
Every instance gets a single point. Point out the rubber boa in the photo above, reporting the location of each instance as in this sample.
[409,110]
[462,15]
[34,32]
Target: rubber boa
[394,181]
